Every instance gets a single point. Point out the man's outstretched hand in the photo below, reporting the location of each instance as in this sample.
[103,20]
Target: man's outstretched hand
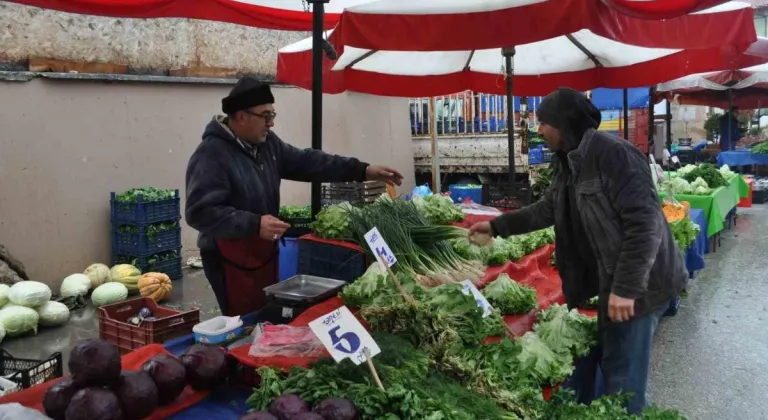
[384,174]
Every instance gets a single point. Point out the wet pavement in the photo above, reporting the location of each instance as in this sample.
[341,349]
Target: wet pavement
[710,361]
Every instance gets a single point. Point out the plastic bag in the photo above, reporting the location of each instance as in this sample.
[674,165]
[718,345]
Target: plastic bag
[422,191]
[16,411]
[286,341]
[478,209]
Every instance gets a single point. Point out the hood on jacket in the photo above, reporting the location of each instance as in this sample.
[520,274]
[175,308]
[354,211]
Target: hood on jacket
[572,113]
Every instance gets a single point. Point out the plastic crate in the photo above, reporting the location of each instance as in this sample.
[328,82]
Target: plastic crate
[29,372]
[535,156]
[171,266]
[145,211]
[507,195]
[759,196]
[288,258]
[170,324]
[331,261]
[141,244]
[299,228]
[356,193]
[460,192]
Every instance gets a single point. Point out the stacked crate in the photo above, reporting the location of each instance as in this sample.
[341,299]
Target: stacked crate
[356,193]
[147,234]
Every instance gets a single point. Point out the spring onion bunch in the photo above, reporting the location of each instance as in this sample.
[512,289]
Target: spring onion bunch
[423,250]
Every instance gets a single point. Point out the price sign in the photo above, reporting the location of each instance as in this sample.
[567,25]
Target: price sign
[482,302]
[343,336]
[379,247]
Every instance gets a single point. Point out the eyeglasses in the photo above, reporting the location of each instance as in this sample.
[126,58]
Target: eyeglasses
[268,116]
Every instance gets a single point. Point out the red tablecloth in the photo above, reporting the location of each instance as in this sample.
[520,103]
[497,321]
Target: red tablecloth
[33,397]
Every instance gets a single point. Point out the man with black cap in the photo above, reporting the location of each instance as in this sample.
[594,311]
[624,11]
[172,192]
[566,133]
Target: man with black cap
[233,193]
[611,238]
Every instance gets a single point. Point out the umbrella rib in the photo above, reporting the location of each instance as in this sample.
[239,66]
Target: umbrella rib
[361,58]
[469,60]
[584,49]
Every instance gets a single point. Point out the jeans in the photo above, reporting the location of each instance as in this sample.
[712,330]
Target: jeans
[621,359]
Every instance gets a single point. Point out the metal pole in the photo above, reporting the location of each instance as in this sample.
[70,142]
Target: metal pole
[626,114]
[524,125]
[509,54]
[318,18]
[436,187]
[668,119]
[651,123]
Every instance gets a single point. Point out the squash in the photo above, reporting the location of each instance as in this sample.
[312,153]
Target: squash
[126,274]
[157,286]
[98,273]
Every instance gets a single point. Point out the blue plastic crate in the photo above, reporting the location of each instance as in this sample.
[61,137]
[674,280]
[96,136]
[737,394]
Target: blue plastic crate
[145,211]
[535,156]
[140,244]
[289,258]
[330,261]
[459,192]
[171,266]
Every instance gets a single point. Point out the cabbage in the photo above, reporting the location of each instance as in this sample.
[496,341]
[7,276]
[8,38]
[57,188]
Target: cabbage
[109,293]
[53,314]
[29,293]
[686,169]
[4,290]
[680,186]
[75,285]
[699,182]
[98,273]
[727,173]
[206,366]
[18,319]
[702,191]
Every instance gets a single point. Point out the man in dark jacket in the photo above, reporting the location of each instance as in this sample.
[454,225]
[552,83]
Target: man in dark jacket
[612,241]
[233,193]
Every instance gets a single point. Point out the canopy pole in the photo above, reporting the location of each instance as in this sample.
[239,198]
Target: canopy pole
[626,114]
[436,187]
[509,55]
[730,121]
[668,119]
[651,123]
[524,125]
[318,18]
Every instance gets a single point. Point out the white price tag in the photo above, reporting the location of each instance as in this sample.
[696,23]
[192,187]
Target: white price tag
[343,336]
[482,302]
[675,159]
[379,247]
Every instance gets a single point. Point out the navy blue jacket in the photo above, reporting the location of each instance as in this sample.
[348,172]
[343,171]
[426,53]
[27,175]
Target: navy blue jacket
[229,187]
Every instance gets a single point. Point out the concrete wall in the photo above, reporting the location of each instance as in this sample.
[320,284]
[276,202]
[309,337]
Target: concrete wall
[64,145]
[145,44]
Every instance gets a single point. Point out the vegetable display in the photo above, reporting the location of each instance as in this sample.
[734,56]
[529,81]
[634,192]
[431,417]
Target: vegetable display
[98,273]
[53,314]
[146,194]
[126,274]
[438,209]
[710,175]
[760,148]
[503,250]
[99,389]
[333,221]
[151,230]
[29,293]
[510,297]
[17,320]
[295,212]
[109,293]
[685,232]
[75,285]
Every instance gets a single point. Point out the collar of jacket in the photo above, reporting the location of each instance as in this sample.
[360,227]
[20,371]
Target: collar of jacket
[576,157]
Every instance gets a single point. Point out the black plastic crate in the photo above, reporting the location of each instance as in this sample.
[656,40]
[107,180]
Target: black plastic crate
[507,196]
[170,265]
[687,157]
[299,227]
[330,261]
[759,197]
[28,372]
[145,211]
[143,243]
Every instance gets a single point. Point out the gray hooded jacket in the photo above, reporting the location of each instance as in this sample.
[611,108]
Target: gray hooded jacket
[611,235]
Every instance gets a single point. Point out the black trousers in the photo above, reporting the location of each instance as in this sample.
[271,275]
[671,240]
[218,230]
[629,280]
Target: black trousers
[213,266]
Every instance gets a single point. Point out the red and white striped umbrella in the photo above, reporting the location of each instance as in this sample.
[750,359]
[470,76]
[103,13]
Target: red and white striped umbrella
[289,15]
[582,60]
[460,25]
[746,88]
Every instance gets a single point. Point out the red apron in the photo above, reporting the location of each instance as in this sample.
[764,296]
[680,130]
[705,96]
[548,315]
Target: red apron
[250,265]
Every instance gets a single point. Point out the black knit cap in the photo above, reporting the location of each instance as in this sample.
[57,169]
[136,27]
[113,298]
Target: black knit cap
[571,112]
[247,93]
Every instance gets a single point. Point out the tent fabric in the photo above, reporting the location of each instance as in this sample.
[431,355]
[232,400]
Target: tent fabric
[659,9]
[457,25]
[539,68]
[611,99]
[33,397]
[288,15]
[745,87]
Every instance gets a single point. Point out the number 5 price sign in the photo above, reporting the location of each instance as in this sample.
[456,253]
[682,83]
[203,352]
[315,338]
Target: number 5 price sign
[345,338]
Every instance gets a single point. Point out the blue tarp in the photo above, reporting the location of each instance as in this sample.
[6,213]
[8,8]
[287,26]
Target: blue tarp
[741,158]
[605,99]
